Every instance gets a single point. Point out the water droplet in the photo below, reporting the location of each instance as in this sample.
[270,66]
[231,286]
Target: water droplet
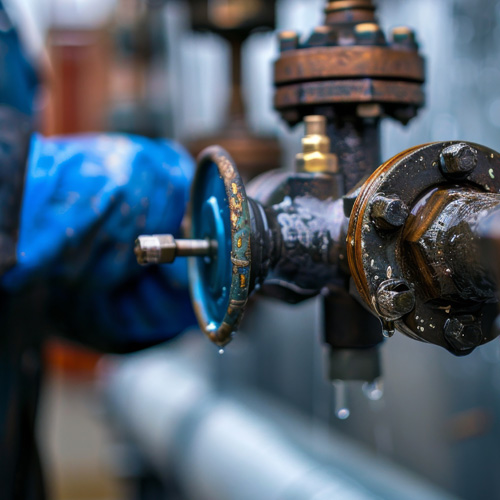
[341,409]
[207,259]
[221,351]
[387,329]
[343,414]
[374,391]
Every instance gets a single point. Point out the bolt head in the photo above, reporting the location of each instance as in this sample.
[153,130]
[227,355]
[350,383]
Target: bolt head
[369,34]
[288,40]
[404,36]
[388,213]
[458,160]
[155,249]
[463,333]
[395,298]
[322,36]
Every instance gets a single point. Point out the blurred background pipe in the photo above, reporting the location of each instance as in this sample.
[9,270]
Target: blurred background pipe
[243,446]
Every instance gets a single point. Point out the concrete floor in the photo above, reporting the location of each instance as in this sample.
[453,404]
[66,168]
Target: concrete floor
[76,444]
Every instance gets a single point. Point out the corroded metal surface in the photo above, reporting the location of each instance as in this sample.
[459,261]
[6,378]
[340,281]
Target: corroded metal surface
[308,236]
[219,330]
[434,255]
[299,228]
[355,75]
[348,62]
[348,91]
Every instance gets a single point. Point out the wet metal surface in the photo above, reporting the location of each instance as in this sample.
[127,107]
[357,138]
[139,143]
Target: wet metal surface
[435,252]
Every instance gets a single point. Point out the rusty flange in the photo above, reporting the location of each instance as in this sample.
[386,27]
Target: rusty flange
[349,61]
[364,90]
[379,249]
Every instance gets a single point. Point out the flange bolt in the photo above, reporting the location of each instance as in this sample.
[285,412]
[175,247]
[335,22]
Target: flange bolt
[288,40]
[388,212]
[369,34]
[404,37]
[458,160]
[395,298]
[463,333]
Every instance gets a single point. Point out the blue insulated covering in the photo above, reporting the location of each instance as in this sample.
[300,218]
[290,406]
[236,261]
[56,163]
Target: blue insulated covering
[86,200]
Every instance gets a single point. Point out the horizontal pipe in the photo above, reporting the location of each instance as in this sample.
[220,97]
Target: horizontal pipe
[219,447]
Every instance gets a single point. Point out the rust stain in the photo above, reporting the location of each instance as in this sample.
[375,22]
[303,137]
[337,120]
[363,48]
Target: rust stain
[358,217]
[240,262]
[235,206]
[239,219]
[348,62]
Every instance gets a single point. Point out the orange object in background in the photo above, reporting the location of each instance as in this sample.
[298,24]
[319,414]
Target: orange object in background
[68,359]
[77,102]
[79,85]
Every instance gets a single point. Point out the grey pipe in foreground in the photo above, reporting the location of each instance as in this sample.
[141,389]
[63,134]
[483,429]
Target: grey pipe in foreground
[218,446]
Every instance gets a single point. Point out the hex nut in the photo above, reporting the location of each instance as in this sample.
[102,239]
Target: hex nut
[458,160]
[369,34]
[288,40]
[395,298]
[463,333]
[402,36]
[322,36]
[155,249]
[388,213]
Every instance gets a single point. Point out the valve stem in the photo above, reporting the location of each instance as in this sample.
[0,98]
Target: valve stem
[164,248]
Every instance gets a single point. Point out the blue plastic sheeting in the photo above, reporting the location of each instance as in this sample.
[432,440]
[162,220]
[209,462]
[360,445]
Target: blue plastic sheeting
[86,200]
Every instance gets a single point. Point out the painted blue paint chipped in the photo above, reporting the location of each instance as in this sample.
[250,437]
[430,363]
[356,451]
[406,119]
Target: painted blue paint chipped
[220,285]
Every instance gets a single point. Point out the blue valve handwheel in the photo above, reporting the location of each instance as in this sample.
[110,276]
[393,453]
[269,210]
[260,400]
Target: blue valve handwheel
[220,212]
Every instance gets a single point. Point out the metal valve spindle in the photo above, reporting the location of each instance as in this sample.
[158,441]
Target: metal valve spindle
[164,249]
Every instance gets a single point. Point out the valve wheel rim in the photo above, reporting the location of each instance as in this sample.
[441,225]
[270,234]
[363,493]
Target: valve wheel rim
[219,287]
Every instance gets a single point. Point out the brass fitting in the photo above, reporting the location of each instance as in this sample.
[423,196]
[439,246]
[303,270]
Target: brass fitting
[316,156]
